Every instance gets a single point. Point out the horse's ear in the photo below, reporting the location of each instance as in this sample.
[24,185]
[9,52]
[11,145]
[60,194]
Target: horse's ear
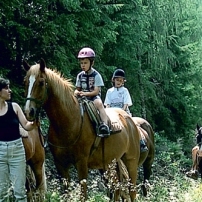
[197,126]
[42,65]
[25,65]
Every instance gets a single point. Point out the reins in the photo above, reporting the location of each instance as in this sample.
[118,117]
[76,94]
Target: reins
[43,141]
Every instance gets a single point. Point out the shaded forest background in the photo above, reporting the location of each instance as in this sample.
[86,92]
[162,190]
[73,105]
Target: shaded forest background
[156,42]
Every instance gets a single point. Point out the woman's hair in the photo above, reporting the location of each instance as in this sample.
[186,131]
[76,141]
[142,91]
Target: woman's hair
[3,83]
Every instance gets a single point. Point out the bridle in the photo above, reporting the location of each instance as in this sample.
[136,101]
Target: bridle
[39,102]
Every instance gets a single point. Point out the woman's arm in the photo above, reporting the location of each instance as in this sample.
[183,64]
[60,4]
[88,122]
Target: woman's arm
[27,125]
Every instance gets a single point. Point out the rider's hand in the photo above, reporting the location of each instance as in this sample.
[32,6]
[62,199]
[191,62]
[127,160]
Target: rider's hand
[77,93]
[82,93]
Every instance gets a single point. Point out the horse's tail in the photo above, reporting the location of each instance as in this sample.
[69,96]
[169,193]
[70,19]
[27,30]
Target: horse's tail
[124,178]
[123,172]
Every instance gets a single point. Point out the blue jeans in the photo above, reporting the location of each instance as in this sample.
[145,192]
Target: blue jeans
[12,170]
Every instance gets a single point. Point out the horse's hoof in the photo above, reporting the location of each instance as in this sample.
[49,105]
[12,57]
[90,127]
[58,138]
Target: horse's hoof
[101,186]
[144,190]
[193,174]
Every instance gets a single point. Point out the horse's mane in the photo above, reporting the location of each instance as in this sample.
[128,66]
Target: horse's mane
[62,86]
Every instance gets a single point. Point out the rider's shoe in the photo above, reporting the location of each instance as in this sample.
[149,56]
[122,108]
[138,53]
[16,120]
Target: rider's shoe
[143,146]
[103,130]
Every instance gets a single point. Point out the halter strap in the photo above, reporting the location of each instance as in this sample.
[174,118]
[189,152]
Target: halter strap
[38,102]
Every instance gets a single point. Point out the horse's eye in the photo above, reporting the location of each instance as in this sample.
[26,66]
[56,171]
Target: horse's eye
[41,82]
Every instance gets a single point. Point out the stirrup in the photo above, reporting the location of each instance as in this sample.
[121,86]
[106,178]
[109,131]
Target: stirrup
[143,148]
[103,130]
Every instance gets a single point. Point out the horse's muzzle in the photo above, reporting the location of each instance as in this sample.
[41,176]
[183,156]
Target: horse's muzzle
[31,114]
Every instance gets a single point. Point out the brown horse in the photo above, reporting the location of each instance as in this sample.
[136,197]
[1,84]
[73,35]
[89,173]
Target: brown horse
[35,157]
[71,133]
[146,158]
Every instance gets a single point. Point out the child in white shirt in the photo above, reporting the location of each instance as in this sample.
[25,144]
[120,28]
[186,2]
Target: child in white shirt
[119,96]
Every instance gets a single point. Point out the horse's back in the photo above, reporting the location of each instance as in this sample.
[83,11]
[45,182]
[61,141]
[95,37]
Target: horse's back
[120,118]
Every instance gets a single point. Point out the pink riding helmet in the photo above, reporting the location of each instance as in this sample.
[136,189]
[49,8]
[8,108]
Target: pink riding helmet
[86,53]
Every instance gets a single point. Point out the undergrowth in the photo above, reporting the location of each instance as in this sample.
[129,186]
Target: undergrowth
[167,183]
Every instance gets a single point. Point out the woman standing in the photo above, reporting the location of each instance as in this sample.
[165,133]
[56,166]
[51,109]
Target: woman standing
[12,153]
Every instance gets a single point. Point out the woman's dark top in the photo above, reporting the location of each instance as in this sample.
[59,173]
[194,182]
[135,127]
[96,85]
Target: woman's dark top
[9,125]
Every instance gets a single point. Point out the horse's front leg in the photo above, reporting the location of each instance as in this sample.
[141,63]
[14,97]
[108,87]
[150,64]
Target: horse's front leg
[64,176]
[82,170]
[40,176]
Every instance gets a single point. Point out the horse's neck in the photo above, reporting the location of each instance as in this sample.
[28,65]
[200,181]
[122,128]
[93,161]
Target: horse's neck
[63,114]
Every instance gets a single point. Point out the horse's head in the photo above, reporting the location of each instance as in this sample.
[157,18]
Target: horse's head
[35,89]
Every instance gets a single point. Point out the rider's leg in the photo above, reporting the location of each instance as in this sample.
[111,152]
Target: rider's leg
[100,107]
[104,129]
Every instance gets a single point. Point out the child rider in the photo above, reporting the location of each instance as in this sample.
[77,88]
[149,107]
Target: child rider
[119,96]
[89,83]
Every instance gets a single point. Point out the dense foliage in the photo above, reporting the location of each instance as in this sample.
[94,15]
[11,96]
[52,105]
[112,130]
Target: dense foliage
[157,43]
[168,181]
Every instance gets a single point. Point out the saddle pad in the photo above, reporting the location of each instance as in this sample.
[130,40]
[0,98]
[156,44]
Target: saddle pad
[115,122]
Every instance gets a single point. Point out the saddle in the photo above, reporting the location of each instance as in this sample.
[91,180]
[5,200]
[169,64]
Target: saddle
[113,122]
